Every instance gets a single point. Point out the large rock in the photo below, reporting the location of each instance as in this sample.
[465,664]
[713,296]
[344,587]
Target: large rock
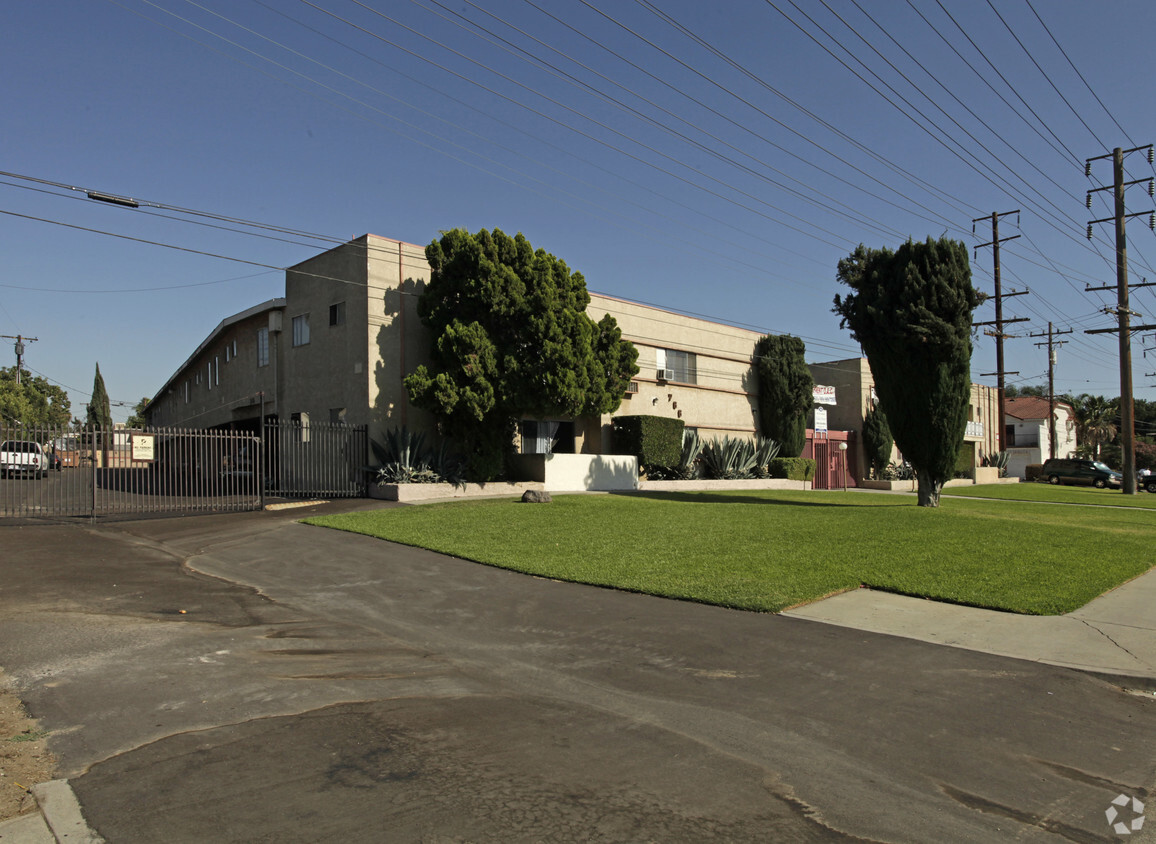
[536,496]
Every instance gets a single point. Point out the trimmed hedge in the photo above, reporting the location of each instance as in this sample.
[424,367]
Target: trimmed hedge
[655,440]
[793,468]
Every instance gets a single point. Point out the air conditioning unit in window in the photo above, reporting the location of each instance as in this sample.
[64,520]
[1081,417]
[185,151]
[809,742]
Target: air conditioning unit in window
[666,375]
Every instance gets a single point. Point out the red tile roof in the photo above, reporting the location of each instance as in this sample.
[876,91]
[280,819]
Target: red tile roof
[1032,407]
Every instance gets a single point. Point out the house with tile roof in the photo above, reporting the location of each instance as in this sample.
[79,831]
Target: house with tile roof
[1027,433]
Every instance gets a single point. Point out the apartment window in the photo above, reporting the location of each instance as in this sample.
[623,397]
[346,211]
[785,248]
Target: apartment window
[186,391]
[230,351]
[217,371]
[301,330]
[677,366]
[209,374]
[262,347]
[337,313]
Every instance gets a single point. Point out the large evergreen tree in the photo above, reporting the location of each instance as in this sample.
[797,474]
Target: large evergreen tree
[910,310]
[511,340]
[785,391]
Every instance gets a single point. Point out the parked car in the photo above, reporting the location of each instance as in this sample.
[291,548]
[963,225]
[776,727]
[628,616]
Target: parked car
[1060,470]
[23,457]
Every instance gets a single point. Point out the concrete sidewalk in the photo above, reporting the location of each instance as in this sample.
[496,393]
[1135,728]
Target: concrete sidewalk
[1113,637]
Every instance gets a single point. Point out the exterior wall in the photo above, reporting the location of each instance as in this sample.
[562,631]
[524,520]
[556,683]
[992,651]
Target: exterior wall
[359,365]
[854,386]
[720,403]
[226,394]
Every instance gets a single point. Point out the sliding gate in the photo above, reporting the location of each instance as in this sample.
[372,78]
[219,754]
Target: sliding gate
[54,472]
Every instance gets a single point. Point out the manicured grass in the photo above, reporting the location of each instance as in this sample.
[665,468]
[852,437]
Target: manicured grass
[771,550]
[1062,494]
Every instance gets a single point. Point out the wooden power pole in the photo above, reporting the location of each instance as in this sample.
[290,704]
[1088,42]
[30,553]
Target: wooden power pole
[1122,311]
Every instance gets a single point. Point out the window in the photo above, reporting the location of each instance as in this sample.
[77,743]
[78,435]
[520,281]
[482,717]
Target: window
[678,366]
[337,314]
[209,375]
[301,330]
[262,347]
[230,351]
[217,371]
[186,391]
[538,437]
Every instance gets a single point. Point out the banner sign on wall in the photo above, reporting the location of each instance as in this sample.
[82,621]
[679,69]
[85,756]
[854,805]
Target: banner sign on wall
[823,395]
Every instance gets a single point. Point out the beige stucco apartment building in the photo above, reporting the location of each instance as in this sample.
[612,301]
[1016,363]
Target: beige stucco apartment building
[337,346]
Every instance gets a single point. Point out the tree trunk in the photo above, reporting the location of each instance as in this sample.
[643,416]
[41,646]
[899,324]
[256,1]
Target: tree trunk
[929,491]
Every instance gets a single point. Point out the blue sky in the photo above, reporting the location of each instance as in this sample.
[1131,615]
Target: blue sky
[717,159]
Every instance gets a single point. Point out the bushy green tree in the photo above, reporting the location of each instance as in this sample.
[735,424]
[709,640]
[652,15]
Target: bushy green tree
[511,340]
[35,402]
[877,440]
[137,420]
[785,391]
[910,309]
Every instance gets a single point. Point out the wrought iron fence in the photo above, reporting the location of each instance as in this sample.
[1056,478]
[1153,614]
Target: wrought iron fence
[51,472]
[316,459]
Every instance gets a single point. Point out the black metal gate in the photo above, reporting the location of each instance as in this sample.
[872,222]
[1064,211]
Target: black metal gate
[55,472]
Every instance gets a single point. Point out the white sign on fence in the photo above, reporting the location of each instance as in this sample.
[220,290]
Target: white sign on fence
[144,447]
[820,419]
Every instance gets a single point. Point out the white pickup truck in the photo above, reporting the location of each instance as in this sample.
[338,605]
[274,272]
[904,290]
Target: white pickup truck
[23,457]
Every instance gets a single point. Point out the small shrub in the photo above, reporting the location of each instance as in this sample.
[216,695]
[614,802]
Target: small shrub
[655,440]
[899,472]
[793,468]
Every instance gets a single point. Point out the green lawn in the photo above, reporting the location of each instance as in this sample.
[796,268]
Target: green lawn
[1062,494]
[771,550]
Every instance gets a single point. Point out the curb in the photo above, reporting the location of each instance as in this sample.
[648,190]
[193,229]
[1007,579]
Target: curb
[61,811]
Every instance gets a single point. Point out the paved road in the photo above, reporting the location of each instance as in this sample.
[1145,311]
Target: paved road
[246,678]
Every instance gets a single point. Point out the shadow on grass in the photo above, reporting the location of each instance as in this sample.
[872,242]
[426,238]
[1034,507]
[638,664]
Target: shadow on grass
[752,498]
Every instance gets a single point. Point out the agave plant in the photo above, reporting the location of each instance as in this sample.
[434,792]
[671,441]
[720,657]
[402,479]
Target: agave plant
[766,450]
[728,459]
[1000,461]
[405,459]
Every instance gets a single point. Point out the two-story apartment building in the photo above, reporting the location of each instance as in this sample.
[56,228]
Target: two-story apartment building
[338,346]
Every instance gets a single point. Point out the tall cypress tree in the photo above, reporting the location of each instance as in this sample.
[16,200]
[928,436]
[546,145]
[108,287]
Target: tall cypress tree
[910,310]
[785,391]
[99,413]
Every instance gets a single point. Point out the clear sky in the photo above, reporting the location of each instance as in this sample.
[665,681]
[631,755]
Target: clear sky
[712,158]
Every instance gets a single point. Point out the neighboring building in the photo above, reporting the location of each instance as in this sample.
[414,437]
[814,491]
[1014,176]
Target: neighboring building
[337,347]
[1026,433]
[853,388]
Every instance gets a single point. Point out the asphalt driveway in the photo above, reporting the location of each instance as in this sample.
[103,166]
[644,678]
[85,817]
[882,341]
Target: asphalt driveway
[247,678]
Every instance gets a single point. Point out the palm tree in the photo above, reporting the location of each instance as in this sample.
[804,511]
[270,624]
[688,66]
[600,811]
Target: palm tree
[1095,420]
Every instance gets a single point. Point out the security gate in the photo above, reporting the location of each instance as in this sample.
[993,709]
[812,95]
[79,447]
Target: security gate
[55,472]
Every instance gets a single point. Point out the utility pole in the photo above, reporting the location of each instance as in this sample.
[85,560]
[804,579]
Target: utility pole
[20,340]
[1125,329]
[1052,344]
[999,321]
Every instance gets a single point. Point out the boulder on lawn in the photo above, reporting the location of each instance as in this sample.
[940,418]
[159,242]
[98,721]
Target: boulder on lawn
[536,496]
